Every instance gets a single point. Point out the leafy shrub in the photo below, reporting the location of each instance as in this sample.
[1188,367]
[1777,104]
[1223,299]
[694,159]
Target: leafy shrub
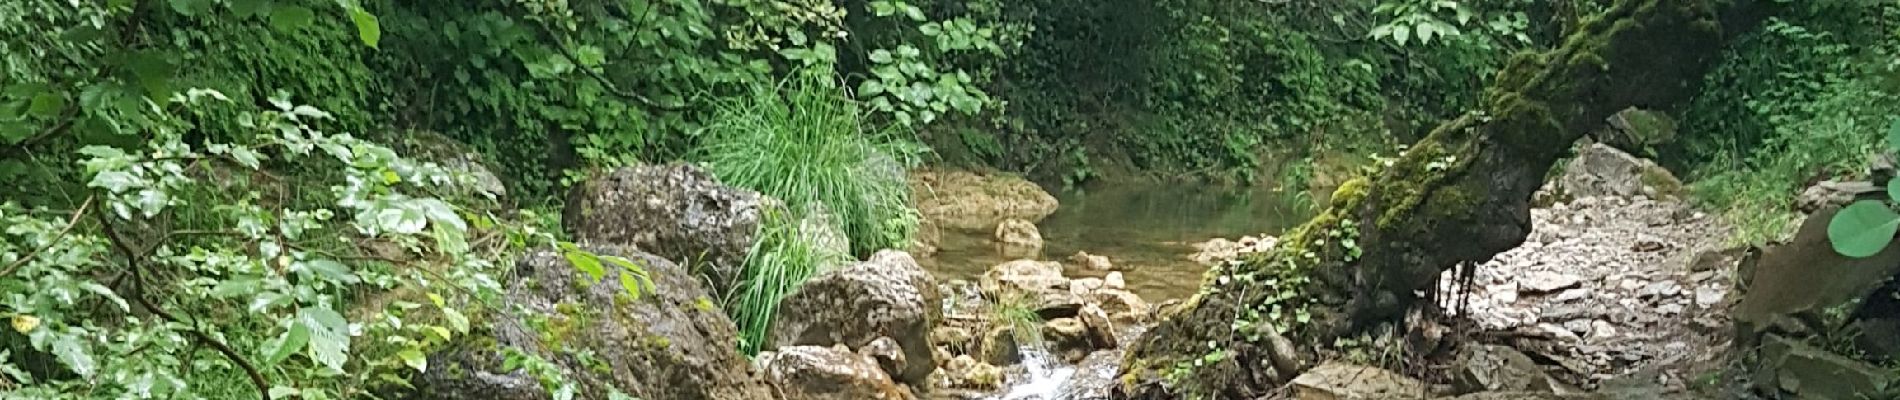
[255,268]
[808,145]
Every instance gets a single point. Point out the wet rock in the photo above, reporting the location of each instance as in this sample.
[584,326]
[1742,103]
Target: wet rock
[1091,262]
[1101,330]
[1342,381]
[822,373]
[676,211]
[1018,233]
[1037,285]
[1601,170]
[1481,368]
[1793,369]
[670,343]
[1068,338]
[1543,283]
[887,353]
[1001,347]
[1124,306]
[964,372]
[887,296]
[973,202]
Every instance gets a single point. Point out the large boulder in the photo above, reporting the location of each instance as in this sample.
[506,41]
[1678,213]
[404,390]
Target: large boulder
[1018,238]
[1486,367]
[1791,369]
[1601,170]
[887,296]
[669,342]
[1636,129]
[676,211]
[1802,279]
[825,373]
[971,202]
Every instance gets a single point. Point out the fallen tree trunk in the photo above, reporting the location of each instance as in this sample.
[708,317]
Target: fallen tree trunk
[1462,194]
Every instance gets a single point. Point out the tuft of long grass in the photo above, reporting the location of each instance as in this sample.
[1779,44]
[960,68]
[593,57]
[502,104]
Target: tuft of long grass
[1755,189]
[779,261]
[808,144]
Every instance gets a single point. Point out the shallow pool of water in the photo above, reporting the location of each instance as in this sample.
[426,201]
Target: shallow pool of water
[1146,230]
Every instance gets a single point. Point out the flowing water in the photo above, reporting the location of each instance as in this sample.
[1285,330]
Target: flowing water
[1148,232]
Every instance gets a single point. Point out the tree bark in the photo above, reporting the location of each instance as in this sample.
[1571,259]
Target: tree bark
[1460,195]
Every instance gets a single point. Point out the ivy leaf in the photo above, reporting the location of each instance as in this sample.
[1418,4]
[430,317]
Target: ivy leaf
[280,348]
[870,87]
[441,213]
[881,56]
[290,18]
[115,181]
[915,14]
[367,27]
[404,220]
[414,359]
[75,355]
[1863,228]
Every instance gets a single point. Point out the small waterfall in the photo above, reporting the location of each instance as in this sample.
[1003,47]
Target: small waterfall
[1045,380]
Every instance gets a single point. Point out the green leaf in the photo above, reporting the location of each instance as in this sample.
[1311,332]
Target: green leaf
[881,56]
[329,336]
[1893,190]
[1863,228]
[367,27]
[414,359]
[284,392]
[1893,136]
[290,18]
[249,8]
[456,319]
[586,262]
[280,348]
[47,105]
[74,354]
[870,87]
[191,7]
[329,270]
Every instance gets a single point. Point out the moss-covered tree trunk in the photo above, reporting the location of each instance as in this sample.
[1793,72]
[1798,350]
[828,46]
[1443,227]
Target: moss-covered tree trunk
[1460,195]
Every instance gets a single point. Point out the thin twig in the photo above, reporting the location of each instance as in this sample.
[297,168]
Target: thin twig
[138,295]
[70,223]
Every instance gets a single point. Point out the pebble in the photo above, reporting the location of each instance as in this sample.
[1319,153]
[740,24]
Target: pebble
[1601,329]
[1578,326]
[1573,294]
[1562,333]
[1709,296]
[1114,280]
[1548,282]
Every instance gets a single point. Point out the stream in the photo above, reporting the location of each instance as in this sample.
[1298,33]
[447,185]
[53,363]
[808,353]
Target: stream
[1148,231]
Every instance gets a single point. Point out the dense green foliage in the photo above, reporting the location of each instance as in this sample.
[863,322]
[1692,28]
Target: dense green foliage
[222,198]
[1806,98]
